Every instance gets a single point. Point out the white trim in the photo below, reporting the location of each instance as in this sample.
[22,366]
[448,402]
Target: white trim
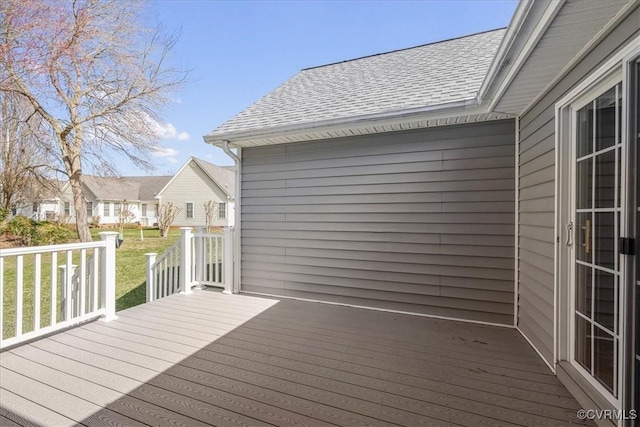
[519,17]
[516,260]
[600,82]
[186,210]
[553,7]
[237,246]
[366,307]
[557,241]
[196,161]
[632,49]
[544,359]
[580,55]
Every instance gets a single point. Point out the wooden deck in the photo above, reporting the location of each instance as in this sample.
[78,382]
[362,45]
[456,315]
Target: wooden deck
[231,360]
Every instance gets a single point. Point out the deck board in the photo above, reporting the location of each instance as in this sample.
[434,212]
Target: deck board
[240,360]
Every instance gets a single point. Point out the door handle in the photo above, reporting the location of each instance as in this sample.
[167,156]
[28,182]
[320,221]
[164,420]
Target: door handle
[570,234]
[587,236]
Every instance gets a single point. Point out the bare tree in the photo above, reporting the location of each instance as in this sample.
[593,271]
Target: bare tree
[95,73]
[125,215]
[166,213]
[25,155]
[210,213]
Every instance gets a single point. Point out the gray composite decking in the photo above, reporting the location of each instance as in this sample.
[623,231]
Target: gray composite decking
[214,359]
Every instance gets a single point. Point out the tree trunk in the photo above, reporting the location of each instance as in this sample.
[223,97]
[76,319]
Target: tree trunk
[80,207]
[74,171]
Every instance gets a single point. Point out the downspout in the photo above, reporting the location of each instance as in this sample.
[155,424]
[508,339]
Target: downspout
[235,288]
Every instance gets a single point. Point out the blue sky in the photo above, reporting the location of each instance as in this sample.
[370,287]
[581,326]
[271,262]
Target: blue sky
[240,50]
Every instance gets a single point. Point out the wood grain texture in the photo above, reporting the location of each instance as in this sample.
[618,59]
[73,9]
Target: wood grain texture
[246,360]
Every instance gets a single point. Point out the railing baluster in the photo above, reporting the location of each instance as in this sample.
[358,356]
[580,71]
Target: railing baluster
[54,287]
[83,281]
[68,286]
[95,283]
[19,293]
[214,263]
[37,259]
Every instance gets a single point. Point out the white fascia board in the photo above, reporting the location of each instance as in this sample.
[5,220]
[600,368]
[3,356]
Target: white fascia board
[552,9]
[195,159]
[513,31]
[157,196]
[440,111]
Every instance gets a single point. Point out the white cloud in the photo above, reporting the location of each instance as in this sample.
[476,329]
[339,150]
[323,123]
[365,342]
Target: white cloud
[168,131]
[169,154]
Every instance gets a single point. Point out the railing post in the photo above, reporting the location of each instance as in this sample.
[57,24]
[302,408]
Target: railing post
[200,256]
[227,260]
[185,260]
[151,285]
[108,279]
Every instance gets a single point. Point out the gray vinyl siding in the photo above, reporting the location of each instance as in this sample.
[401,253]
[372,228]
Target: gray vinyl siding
[192,185]
[537,192]
[415,221]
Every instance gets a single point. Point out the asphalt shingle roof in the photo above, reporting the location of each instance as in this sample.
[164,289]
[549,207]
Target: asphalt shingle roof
[421,76]
[225,176]
[126,187]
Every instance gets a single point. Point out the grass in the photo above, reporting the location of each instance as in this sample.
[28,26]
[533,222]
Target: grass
[130,278]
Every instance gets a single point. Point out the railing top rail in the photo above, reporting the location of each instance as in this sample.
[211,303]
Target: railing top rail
[51,248]
[208,235]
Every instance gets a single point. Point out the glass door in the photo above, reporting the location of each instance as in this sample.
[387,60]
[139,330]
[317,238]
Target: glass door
[597,218]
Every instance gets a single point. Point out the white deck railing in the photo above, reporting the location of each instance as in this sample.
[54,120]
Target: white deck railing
[208,259]
[47,288]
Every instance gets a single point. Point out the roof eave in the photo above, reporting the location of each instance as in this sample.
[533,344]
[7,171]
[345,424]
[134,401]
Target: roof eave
[530,21]
[433,112]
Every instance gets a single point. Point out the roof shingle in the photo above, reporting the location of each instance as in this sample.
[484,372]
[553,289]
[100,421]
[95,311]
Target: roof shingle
[421,76]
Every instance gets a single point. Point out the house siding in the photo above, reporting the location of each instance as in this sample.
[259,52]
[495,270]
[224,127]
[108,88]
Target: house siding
[193,185]
[537,193]
[415,221]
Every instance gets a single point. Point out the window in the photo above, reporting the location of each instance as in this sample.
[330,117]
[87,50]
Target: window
[189,210]
[90,208]
[67,208]
[35,207]
[107,209]
[144,210]
[222,210]
[116,209]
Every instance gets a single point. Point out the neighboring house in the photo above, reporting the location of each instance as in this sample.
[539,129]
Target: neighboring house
[487,178]
[196,183]
[105,197]
[43,201]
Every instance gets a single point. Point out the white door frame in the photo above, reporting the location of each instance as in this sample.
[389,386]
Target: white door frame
[612,71]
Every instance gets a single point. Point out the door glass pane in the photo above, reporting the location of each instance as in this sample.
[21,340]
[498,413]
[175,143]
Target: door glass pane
[604,356]
[604,236]
[584,284]
[584,242]
[583,342]
[606,120]
[585,130]
[605,299]
[605,179]
[584,180]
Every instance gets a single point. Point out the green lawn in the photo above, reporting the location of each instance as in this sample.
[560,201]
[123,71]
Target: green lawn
[130,277]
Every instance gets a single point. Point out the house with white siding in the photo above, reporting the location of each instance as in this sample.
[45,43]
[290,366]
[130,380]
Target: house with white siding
[489,179]
[196,183]
[106,196]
